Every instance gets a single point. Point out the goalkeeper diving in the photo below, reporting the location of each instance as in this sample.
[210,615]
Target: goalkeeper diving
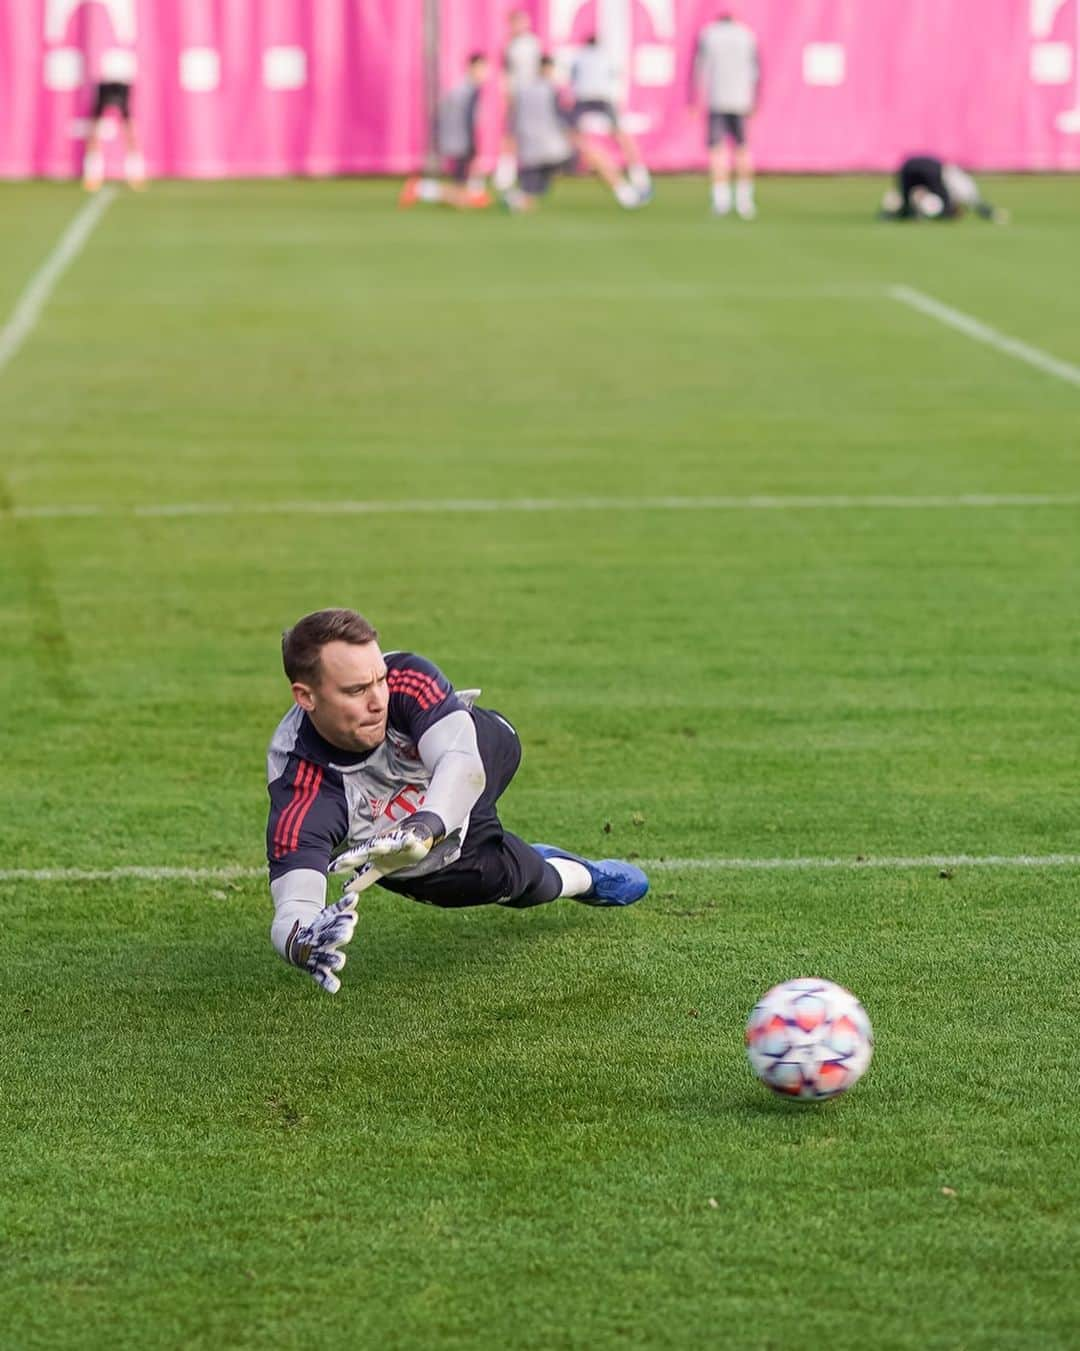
[382,774]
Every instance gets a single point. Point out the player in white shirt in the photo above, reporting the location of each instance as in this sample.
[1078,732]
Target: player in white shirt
[594,80]
[521,66]
[726,77]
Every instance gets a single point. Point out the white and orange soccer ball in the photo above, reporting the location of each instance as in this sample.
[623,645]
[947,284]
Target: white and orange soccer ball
[809,1039]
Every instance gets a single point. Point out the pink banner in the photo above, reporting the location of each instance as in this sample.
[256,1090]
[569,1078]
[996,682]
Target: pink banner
[267,87]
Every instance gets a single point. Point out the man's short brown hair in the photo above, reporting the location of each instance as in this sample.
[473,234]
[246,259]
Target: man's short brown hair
[302,645]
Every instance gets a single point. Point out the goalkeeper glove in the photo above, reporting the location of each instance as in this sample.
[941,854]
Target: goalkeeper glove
[314,948]
[401,846]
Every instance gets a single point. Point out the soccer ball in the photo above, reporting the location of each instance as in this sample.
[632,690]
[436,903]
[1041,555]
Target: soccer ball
[809,1039]
[929,204]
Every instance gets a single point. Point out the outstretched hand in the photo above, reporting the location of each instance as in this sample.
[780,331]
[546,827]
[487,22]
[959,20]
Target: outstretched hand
[315,947]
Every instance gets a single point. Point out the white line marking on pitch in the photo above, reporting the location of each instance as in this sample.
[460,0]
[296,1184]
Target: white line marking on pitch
[35,297]
[811,864]
[452,506]
[974,328]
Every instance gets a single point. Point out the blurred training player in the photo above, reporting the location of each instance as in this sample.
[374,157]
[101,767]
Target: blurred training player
[726,77]
[456,141]
[380,769]
[521,66]
[545,145]
[928,187]
[114,93]
[594,81]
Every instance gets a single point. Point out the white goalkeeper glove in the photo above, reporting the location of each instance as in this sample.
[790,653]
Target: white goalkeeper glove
[314,948]
[402,846]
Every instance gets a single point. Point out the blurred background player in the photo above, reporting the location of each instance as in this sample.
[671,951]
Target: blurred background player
[726,75]
[928,187]
[521,66]
[546,145]
[456,141]
[594,81]
[113,90]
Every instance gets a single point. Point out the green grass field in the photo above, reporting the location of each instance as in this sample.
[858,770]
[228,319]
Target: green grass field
[539,1130]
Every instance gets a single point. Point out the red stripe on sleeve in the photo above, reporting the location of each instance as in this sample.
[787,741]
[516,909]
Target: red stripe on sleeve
[304,771]
[305,807]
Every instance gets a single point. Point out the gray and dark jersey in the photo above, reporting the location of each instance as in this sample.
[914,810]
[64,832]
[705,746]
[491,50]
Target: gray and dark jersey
[456,131]
[323,799]
[540,126]
[726,68]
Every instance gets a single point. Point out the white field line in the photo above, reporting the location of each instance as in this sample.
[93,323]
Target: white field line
[467,505]
[805,864]
[35,297]
[974,328]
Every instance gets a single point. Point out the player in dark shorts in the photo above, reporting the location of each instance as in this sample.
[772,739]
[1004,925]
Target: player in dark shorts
[456,141]
[112,94]
[929,188]
[384,774]
[546,144]
[594,81]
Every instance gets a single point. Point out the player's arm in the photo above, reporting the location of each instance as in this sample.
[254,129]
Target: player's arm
[424,705]
[308,821]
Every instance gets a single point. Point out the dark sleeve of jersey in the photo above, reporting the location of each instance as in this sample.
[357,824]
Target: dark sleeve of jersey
[419,694]
[309,818]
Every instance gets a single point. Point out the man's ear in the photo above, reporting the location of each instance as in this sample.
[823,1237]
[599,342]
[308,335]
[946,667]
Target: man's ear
[304,696]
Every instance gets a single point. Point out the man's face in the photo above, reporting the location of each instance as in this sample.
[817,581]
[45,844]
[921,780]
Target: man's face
[519,22]
[480,71]
[349,702]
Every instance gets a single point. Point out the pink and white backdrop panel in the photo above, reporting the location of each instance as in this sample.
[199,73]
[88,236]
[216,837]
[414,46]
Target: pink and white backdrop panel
[265,87]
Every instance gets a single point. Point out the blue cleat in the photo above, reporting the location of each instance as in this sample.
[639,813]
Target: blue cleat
[613,881]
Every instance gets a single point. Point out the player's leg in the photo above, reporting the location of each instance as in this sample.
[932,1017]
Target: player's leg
[744,169]
[93,155]
[532,183]
[603,165]
[506,166]
[720,173]
[134,165]
[636,170]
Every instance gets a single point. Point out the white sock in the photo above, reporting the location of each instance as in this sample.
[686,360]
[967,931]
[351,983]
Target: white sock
[476,185]
[575,877]
[515,199]
[744,193]
[721,198]
[93,166]
[639,176]
[505,172]
[625,194]
[134,168]
[429,190]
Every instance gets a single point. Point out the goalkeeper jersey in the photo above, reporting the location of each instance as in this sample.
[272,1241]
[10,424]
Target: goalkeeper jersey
[323,799]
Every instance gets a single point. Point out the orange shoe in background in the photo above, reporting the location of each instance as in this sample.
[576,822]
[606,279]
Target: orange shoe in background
[410,193]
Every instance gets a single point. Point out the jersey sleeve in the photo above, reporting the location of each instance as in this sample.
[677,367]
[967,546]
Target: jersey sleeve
[308,819]
[419,694]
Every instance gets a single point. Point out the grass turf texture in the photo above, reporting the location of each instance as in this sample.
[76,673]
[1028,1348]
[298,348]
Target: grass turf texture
[507,1129]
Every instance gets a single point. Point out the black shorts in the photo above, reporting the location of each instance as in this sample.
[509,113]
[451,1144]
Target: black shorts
[457,168]
[536,179]
[595,108]
[723,125]
[112,95]
[922,171]
[495,867]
